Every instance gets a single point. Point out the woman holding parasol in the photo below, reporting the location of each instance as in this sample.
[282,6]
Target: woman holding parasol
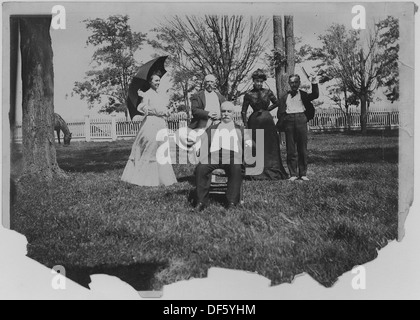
[144,168]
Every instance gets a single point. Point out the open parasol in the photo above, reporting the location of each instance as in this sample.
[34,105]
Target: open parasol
[140,82]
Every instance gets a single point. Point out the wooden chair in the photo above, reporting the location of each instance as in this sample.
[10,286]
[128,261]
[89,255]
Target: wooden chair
[219,181]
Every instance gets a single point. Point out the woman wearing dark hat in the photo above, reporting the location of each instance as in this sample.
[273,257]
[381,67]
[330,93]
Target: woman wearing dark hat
[260,100]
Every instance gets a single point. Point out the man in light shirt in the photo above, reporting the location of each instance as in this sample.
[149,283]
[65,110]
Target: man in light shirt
[222,147]
[205,105]
[294,112]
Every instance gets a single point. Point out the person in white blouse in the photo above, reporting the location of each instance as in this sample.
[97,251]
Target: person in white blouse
[143,167]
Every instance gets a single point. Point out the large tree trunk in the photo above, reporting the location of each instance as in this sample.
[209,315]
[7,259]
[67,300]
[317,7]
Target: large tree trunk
[348,119]
[290,45]
[278,49]
[363,113]
[364,97]
[347,108]
[185,86]
[224,90]
[280,52]
[188,108]
[284,50]
[39,155]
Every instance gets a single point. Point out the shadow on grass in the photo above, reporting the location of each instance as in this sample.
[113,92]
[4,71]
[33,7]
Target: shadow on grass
[93,161]
[83,157]
[139,276]
[370,133]
[90,167]
[189,179]
[363,155]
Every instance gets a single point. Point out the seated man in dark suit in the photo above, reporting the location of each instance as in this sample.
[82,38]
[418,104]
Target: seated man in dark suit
[222,147]
[205,105]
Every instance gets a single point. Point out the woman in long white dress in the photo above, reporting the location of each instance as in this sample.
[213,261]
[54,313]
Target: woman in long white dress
[144,167]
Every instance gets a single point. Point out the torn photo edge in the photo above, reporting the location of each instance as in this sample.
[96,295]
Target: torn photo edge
[406,137]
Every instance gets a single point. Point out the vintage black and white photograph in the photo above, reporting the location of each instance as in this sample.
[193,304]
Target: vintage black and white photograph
[155,141]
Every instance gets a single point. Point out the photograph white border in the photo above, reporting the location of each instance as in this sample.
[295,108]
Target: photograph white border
[397,266]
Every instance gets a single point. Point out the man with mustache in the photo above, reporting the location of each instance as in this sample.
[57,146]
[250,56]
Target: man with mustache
[294,112]
[222,147]
[205,105]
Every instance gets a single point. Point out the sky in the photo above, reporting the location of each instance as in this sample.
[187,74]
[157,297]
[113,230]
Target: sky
[72,57]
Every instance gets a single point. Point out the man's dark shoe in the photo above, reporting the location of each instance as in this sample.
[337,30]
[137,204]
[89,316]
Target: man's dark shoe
[230,205]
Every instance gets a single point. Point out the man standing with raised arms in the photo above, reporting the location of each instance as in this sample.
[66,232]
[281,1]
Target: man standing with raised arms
[294,112]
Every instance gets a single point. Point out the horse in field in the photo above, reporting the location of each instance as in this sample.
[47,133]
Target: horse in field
[60,124]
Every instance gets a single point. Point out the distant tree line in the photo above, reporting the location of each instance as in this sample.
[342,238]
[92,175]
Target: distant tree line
[352,64]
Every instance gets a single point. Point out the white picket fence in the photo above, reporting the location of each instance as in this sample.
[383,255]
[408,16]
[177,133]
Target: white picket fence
[338,121]
[111,128]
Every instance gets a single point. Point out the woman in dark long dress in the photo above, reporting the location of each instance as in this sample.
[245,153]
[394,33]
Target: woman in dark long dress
[259,99]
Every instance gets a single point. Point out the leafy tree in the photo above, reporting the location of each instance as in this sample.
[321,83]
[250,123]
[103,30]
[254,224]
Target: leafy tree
[113,63]
[277,58]
[227,46]
[342,98]
[181,108]
[361,65]
[183,73]
[389,35]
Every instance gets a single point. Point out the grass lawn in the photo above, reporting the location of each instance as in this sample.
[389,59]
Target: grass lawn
[91,222]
